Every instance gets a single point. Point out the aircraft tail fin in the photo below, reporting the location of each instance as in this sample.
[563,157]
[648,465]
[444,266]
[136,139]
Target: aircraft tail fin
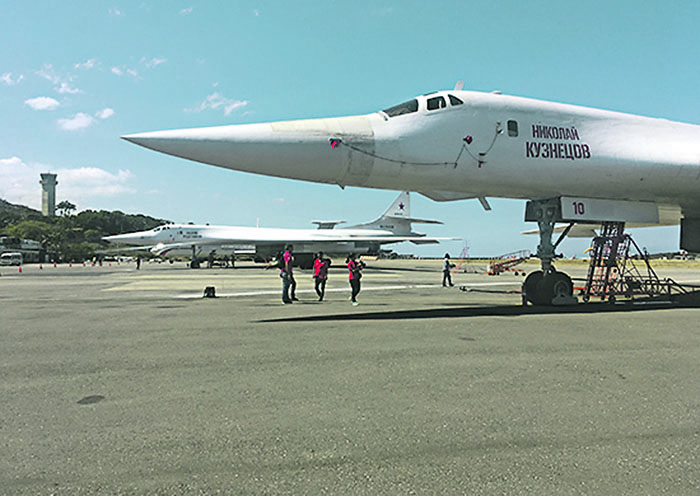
[401,207]
[397,218]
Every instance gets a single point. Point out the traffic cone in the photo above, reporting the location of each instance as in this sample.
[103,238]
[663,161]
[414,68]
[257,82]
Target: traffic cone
[20,269]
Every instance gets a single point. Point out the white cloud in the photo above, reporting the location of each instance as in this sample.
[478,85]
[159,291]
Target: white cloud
[256,13]
[88,64]
[10,80]
[155,61]
[10,162]
[19,183]
[217,101]
[66,88]
[105,113]
[47,72]
[92,181]
[186,11]
[62,84]
[42,103]
[116,12]
[78,121]
[120,71]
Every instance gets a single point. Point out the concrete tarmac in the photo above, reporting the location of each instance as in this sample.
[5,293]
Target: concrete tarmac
[118,381]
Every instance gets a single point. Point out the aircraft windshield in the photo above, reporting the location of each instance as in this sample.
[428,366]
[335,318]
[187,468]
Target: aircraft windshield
[402,108]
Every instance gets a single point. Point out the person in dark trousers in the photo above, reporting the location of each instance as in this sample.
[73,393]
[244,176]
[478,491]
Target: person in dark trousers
[446,267]
[138,262]
[354,275]
[321,266]
[287,275]
[210,259]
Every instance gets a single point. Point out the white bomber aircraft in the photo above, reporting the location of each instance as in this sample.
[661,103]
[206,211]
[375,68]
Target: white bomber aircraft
[573,164]
[393,226]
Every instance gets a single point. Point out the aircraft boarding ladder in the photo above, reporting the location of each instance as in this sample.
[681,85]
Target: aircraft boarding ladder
[612,272]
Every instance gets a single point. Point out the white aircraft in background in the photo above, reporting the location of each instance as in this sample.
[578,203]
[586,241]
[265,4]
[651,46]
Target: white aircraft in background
[393,226]
[574,164]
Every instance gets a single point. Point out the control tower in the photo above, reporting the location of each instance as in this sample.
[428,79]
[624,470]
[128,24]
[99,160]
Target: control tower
[48,194]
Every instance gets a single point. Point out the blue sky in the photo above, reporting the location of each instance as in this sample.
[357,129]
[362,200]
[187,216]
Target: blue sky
[74,76]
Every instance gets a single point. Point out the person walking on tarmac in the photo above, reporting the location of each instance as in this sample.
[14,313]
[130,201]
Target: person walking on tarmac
[321,266]
[446,267]
[287,275]
[354,275]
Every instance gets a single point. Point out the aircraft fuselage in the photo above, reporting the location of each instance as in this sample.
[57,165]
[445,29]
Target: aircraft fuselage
[488,145]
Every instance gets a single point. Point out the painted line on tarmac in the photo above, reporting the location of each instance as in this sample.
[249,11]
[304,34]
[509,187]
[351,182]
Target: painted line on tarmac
[396,287]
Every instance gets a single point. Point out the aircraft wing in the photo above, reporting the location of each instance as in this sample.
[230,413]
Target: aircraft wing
[414,220]
[327,224]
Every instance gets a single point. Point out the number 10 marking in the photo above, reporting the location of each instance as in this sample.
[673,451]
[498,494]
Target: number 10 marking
[579,208]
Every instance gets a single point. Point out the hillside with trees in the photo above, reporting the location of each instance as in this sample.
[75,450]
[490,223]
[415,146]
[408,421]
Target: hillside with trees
[68,236]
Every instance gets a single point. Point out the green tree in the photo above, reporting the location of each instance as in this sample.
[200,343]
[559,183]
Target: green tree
[32,229]
[65,208]
[71,237]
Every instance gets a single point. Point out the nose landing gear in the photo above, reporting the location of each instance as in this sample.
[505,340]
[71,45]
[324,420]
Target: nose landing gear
[547,286]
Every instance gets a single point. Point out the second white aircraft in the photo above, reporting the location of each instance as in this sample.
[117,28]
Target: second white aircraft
[264,243]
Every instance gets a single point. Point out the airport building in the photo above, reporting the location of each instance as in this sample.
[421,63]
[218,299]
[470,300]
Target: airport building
[31,250]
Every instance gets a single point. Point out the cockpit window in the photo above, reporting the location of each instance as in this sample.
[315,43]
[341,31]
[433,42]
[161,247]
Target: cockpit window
[437,102]
[454,100]
[402,108]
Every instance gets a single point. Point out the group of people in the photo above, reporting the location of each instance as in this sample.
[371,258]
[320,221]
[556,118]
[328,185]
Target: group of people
[321,266]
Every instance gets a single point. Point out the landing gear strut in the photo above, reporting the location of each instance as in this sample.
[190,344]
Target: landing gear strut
[194,264]
[547,286]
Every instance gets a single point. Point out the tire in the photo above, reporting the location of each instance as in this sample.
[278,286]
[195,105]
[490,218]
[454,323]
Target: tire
[531,285]
[541,289]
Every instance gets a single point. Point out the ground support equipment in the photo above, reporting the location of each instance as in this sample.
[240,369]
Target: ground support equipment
[613,273]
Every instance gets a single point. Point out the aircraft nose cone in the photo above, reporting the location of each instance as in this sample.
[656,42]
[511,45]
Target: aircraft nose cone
[180,142]
[240,147]
[294,149]
[123,238]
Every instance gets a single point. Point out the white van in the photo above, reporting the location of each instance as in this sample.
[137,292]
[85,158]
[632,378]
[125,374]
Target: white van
[11,259]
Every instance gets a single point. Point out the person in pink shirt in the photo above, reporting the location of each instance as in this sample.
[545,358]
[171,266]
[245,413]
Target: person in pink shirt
[287,275]
[354,274]
[321,266]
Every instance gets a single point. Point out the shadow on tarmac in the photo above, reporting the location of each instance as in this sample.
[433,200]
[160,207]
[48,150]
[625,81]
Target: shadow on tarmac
[497,311]
[371,268]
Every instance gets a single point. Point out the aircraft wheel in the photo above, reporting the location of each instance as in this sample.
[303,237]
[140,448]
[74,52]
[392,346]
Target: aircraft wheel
[531,287]
[562,288]
[541,289]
